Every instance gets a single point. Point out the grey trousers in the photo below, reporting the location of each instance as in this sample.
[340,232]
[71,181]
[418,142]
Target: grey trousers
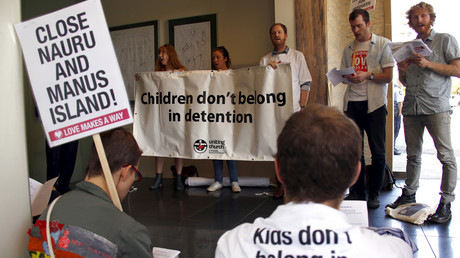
[438,125]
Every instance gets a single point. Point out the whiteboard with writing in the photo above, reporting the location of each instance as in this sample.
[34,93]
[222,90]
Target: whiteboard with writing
[74,72]
[136,50]
[193,45]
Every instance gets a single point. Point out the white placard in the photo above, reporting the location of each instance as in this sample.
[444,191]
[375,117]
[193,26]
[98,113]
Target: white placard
[74,72]
[234,114]
[362,4]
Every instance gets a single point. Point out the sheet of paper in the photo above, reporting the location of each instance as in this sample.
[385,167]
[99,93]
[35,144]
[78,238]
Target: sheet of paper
[159,252]
[40,195]
[34,187]
[338,76]
[356,212]
[402,50]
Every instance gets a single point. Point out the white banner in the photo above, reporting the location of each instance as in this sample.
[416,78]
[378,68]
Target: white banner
[74,72]
[234,114]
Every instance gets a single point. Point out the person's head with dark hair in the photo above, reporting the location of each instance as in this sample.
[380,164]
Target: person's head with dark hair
[357,12]
[278,35]
[421,17]
[318,155]
[123,156]
[168,60]
[221,58]
[360,23]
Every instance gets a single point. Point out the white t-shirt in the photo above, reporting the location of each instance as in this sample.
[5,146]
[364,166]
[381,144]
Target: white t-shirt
[307,229]
[358,91]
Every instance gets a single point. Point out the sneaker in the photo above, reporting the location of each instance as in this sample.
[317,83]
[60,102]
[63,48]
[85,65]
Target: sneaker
[236,187]
[214,186]
[403,199]
[442,215]
[373,202]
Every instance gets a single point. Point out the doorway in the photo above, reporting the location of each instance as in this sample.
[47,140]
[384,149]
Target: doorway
[445,13]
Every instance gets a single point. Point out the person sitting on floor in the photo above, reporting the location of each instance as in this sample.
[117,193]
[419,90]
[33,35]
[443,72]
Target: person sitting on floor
[318,158]
[87,215]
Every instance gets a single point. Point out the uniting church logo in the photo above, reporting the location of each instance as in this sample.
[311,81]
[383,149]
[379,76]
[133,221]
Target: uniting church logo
[200,146]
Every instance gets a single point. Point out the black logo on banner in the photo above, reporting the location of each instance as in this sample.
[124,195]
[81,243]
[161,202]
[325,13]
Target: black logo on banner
[200,146]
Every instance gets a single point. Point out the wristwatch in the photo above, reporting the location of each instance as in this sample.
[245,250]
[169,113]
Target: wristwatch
[372,77]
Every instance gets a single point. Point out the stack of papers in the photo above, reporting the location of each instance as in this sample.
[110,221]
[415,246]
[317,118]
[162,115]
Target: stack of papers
[338,76]
[402,50]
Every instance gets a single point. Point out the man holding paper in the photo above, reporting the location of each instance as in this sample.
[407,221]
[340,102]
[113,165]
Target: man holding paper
[301,77]
[281,53]
[426,105]
[366,98]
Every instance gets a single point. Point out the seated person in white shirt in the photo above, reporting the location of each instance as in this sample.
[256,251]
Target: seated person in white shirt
[318,158]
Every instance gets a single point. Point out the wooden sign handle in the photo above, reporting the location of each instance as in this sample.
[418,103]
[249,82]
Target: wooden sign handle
[106,169]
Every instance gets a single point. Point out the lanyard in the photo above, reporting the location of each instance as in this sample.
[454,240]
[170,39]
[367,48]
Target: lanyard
[354,54]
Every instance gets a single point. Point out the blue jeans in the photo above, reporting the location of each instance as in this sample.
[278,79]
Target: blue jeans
[374,124]
[438,126]
[232,170]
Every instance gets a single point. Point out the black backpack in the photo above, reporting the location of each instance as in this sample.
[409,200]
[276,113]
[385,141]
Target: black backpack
[388,177]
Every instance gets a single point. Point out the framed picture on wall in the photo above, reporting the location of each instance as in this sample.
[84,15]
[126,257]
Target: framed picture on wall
[194,38]
[136,49]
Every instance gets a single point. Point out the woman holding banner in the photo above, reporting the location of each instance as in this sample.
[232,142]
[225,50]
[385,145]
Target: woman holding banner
[168,61]
[221,61]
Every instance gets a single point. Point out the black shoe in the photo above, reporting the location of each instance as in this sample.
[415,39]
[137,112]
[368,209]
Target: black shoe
[158,182]
[355,197]
[373,202]
[403,199]
[397,152]
[179,184]
[442,215]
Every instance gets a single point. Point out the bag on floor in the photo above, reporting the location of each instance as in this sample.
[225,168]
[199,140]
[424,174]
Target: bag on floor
[187,172]
[415,213]
[388,177]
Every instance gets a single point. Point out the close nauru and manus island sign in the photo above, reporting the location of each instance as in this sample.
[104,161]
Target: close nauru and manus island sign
[74,73]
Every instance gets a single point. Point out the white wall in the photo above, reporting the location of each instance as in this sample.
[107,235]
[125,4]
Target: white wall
[285,14]
[242,26]
[14,192]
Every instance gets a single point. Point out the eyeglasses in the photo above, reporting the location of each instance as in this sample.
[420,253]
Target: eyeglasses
[138,175]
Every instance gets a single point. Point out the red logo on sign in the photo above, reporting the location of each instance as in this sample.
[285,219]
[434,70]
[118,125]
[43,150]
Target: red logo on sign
[88,125]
